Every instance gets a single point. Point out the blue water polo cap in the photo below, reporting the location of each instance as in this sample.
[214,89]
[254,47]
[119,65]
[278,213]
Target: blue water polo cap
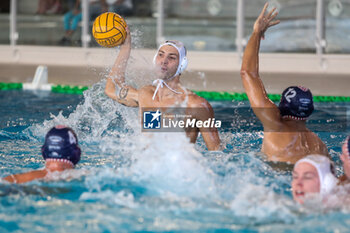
[61,143]
[296,103]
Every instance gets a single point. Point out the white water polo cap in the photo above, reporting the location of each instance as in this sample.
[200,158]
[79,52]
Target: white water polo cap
[325,170]
[180,47]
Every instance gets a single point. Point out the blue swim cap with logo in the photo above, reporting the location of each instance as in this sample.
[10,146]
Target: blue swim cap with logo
[296,103]
[61,144]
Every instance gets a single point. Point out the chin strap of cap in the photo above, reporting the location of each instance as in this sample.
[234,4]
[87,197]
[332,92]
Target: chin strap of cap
[160,85]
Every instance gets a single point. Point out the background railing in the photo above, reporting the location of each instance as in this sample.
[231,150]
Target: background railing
[316,26]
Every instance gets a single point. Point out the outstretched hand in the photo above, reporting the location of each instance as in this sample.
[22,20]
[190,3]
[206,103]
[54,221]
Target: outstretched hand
[264,21]
[127,41]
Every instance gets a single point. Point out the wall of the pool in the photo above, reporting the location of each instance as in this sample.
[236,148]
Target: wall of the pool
[207,71]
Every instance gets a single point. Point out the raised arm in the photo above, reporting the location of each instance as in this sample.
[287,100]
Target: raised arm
[211,136]
[115,86]
[262,106]
[345,158]
[203,112]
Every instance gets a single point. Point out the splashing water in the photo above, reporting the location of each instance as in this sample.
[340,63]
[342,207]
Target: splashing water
[157,182]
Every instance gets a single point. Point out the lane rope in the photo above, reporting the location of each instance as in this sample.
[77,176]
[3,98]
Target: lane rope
[209,95]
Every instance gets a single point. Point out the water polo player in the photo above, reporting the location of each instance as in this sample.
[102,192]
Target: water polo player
[170,62]
[286,137]
[60,152]
[314,174]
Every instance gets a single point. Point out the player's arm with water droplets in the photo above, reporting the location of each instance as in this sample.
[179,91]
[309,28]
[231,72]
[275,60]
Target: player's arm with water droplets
[116,88]
[205,112]
[262,106]
[345,158]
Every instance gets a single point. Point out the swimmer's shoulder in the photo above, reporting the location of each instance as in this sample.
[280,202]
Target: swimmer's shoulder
[320,146]
[201,108]
[312,137]
[196,101]
[147,90]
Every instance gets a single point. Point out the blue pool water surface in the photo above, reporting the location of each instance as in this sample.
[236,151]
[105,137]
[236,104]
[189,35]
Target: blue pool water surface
[129,182]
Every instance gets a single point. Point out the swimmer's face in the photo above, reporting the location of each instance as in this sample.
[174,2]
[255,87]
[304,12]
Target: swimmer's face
[305,181]
[167,61]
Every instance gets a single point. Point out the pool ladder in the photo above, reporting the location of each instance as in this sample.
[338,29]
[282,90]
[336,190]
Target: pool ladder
[39,81]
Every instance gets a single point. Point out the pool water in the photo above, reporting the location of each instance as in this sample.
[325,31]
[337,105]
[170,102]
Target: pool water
[129,182]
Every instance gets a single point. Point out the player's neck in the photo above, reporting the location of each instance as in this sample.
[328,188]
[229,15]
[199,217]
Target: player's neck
[52,165]
[297,124]
[174,84]
[172,81]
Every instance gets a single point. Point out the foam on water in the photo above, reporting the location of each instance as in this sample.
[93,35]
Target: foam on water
[91,119]
[169,163]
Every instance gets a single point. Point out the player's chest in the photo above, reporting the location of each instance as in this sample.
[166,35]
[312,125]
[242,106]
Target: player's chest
[147,101]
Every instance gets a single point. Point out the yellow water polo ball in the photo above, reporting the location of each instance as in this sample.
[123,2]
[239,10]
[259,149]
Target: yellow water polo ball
[109,29]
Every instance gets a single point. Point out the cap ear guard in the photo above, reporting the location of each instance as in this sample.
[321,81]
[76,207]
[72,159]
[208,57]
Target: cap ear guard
[75,158]
[329,182]
[183,65]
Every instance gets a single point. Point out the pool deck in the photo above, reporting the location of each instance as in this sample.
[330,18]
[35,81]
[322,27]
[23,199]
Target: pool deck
[207,71]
